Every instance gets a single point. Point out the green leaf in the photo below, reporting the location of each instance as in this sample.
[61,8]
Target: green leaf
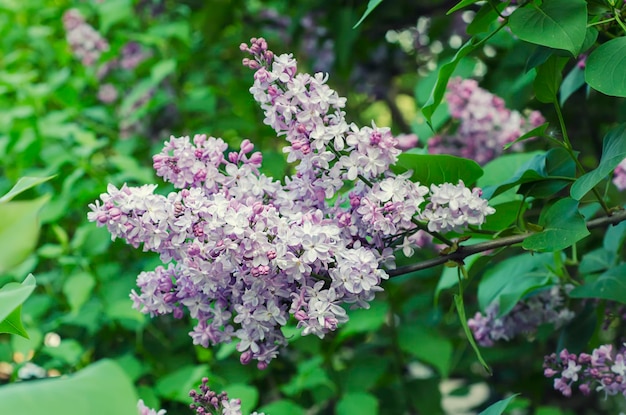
[438,168]
[484,18]
[12,324]
[535,132]
[461,4]
[248,394]
[613,152]
[282,407]
[68,351]
[576,334]
[12,295]
[112,12]
[427,345]
[596,261]
[548,79]
[557,24]
[77,288]
[563,226]
[572,83]
[460,308]
[560,172]
[505,166]
[310,375]
[22,185]
[100,389]
[370,8]
[357,403]
[19,230]
[444,74]
[361,321]
[604,69]
[498,407]
[176,385]
[505,215]
[611,285]
[508,281]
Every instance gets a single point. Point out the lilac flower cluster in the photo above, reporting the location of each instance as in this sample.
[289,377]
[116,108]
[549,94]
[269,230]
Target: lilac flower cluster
[206,401]
[245,251]
[619,175]
[528,314]
[145,410]
[86,43]
[485,125]
[603,370]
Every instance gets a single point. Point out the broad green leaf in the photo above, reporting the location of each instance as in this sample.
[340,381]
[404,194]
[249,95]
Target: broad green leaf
[19,230]
[596,261]
[548,79]
[357,403]
[613,152]
[363,372]
[364,320]
[505,215]
[461,4]
[572,83]
[498,407]
[22,185]
[12,295]
[560,172]
[611,285]
[12,324]
[438,168]
[444,74]
[508,281]
[614,237]
[604,69]
[504,166]
[282,407]
[100,389]
[557,24]
[176,385]
[310,375]
[563,226]
[77,289]
[371,5]
[427,345]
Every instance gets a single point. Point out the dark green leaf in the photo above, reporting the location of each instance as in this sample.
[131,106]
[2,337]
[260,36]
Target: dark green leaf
[563,226]
[498,407]
[572,83]
[548,79]
[461,4]
[558,24]
[370,8]
[426,345]
[535,132]
[505,215]
[613,152]
[438,168]
[484,18]
[614,237]
[604,69]
[460,308]
[611,285]
[100,389]
[357,403]
[444,74]
[576,334]
[597,260]
[176,385]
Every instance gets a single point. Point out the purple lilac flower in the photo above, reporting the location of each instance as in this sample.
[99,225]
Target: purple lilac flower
[144,410]
[407,141]
[602,370]
[619,175]
[243,252]
[485,125]
[528,314]
[86,43]
[107,93]
[206,401]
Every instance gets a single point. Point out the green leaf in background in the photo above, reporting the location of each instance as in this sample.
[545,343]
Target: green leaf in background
[357,403]
[364,320]
[176,385]
[563,227]
[576,334]
[78,288]
[282,407]
[572,83]
[604,68]
[557,24]
[12,324]
[444,74]
[68,351]
[548,79]
[611,285]
[613,152]
[22,185]
[12,295]
[111,12]
[248,394]
[371,5]
[438,168]
[100,389]
[498,407]
[597,260]
[509,280]
[460,309]
[311,375]
[426,345]
[19,230]
[535,132]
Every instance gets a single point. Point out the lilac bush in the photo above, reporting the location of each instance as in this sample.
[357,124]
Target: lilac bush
[245,252]
[206,401]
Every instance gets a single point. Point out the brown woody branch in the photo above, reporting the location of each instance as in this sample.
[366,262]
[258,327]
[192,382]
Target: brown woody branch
[464,251]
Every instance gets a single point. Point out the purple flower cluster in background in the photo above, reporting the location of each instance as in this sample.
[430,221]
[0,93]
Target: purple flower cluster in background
[485,125]
[528,314]
[206,401]
[245,251]
[602,370]
[86,42]
[619,175]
